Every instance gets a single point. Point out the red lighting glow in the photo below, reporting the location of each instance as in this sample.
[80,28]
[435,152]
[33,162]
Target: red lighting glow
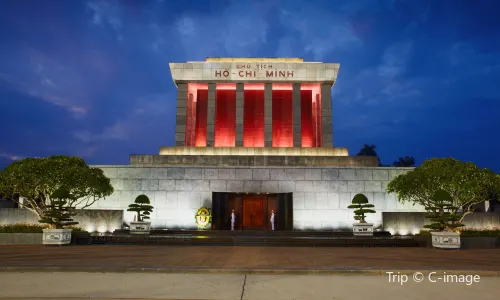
[225,115]
[196,114]
[253,119]
[311,114]
[253,115]
[282,115]
[201,119]
[306,118]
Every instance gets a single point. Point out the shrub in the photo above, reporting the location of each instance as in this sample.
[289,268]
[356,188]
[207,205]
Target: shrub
[443,212]
[30,228]
[361,207]
[22,228]
[141,207]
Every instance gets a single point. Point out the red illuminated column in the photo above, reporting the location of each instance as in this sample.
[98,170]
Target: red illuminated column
[297,112]
[239,114]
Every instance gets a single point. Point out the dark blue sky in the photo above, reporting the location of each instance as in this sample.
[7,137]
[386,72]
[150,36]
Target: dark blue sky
[91,78]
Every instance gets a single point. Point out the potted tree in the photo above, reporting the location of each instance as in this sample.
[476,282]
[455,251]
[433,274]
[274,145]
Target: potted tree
[443,214]
[449,190]
[58,215]
[143,209]
[361,207]
[53,188]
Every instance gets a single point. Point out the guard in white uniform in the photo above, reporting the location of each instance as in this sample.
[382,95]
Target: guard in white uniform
[272,219]
[233,219]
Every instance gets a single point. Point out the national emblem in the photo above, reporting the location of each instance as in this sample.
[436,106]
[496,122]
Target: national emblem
[203,218]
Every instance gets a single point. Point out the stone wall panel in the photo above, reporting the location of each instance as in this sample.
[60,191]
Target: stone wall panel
[320,195]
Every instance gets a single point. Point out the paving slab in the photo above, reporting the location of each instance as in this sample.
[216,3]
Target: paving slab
[242,259]
[77,286]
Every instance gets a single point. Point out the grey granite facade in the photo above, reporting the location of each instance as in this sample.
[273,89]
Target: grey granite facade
[180,119]
[326,115]
[211,115]
[239,114]
[296,112]
[268,115]
[320,195]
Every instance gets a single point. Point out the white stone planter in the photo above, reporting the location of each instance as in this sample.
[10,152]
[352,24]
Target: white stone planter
[362,229]
[140,227]
[446,240]
[56,236]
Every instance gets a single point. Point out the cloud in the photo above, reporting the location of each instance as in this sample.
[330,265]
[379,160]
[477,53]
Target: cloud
[462,54]
[71,76]
[11,157]
[243,28]
[106,13]
[319,32]
[378,101]
[395,60]
[119,131]
[239,30]
[41,91]
[386,81]
[128,127]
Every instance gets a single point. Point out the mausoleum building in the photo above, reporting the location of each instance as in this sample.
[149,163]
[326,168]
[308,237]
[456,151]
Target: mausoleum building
[254,135]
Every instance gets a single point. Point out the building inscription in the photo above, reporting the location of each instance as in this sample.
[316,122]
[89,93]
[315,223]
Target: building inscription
[254,71]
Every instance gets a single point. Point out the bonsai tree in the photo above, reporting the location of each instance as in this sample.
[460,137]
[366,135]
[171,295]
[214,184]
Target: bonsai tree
[361,207]
[58,214]
[466,184]
[443,212]
[53,187]
[141,207]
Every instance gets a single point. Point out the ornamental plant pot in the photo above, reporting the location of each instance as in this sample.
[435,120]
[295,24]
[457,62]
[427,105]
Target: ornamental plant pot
[446,239]
[56,236]
[140,227]
[362,229]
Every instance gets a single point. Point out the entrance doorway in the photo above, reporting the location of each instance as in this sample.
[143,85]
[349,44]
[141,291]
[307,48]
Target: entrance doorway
[253,211]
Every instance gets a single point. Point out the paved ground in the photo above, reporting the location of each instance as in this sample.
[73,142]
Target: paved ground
[217,286]
[115,258]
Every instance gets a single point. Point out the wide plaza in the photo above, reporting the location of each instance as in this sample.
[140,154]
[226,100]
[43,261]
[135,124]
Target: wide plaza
[222,259]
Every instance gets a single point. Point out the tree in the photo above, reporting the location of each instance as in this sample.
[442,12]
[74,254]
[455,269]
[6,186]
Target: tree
[406,161]
[443,212]
[42,181]
[463,181]
[141,207]
[361,207]
[58,214]
[369,150]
